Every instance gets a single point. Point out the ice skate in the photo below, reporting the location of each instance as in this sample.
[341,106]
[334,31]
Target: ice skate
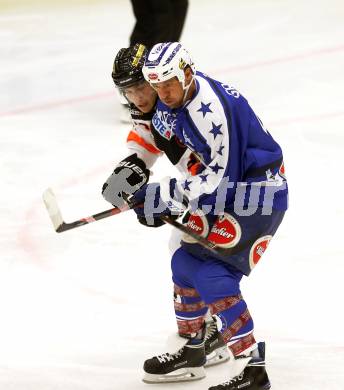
[253,377]
[215,348]
[184,365]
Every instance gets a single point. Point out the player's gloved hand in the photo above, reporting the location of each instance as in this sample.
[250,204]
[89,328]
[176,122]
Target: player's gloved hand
[153,206]
[129,176]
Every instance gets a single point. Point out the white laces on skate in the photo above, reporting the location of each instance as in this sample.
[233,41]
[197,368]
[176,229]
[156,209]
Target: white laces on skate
[167,357]
[233,380]
[212,329]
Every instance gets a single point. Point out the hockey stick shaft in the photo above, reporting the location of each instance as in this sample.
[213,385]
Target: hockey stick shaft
[61,226]
[92,218]
[199,239]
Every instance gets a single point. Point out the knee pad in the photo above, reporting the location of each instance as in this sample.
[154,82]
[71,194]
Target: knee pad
[184,266]
[213,280]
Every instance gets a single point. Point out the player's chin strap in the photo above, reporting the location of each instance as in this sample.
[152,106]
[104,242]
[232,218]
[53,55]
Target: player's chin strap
[187,87]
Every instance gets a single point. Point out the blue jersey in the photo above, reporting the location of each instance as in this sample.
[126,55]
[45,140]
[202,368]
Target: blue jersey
[221,128]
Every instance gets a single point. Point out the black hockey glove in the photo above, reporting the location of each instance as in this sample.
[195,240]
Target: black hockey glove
[153,206]
[128,177]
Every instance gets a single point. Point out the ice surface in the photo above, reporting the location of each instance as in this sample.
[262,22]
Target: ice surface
[83,309]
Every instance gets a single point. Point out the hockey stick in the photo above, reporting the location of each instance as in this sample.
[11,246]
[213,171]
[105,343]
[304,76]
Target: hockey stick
[56,216]
[61,226]
[200,240]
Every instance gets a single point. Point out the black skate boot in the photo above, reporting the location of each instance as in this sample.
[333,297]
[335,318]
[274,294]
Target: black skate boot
[184,365]
[215,348]
[253,377]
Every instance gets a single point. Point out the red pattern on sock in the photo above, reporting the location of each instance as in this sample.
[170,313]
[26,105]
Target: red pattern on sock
[239,346]
[185,292]
[190,326]
[242,320]
[188,307]
[224,304]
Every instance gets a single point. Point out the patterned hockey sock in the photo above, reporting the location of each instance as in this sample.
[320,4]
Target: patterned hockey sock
[190,311]
[235,323]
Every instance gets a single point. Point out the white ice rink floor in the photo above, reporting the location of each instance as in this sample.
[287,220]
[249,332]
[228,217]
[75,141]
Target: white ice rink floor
[82,310]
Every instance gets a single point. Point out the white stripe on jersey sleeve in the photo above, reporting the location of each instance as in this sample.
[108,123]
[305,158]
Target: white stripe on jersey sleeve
[213,127]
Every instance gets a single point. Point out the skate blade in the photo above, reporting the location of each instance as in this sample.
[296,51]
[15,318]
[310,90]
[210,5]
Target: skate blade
[218,356]
[181,375]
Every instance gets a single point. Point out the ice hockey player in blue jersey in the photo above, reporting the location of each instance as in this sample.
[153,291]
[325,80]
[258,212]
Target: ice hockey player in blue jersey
[236,200]
[145,146]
